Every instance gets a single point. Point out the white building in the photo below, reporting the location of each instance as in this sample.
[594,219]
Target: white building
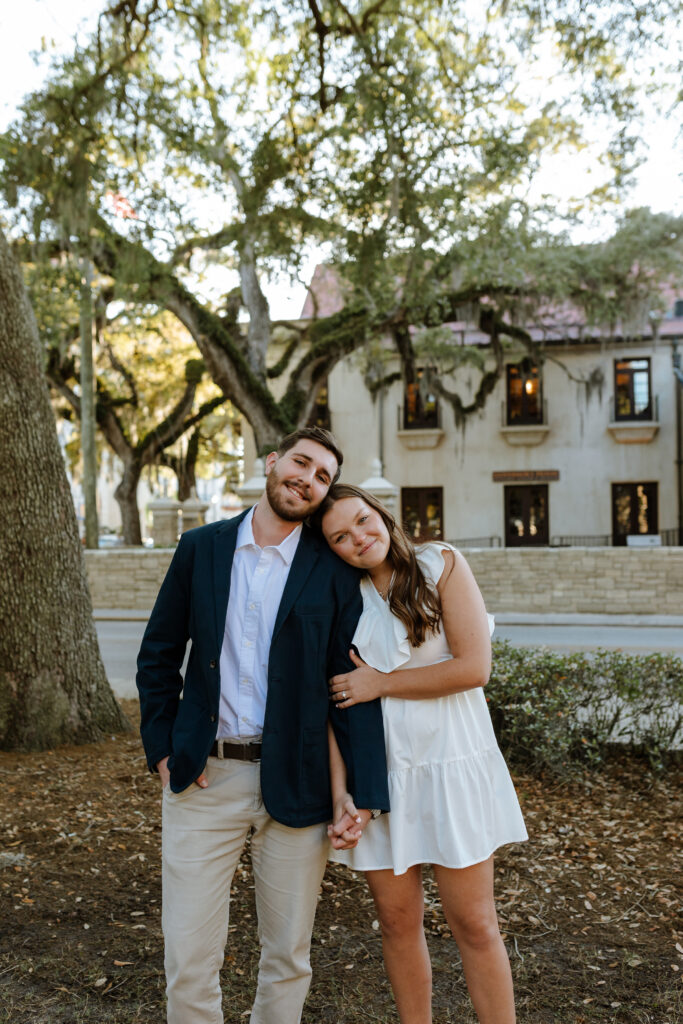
[581,451]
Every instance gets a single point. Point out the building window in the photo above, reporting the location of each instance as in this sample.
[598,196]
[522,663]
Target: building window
[320,413]
[420,408]
[422,512]
[634,510]
[633,398]
[524,403]
[526,515]
[678,308]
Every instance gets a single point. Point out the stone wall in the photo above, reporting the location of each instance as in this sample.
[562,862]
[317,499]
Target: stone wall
[553,580]
[615,581]
[126,578]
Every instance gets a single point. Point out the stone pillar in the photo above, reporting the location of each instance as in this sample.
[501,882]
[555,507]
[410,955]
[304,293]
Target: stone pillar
[252,489]
[192,512]
[380,487]
[164,522]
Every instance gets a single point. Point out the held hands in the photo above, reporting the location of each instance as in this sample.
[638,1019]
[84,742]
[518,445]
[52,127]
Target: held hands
[347,827]
[165,775]
[356,687]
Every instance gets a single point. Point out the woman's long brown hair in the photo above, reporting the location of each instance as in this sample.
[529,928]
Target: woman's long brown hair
[411,597]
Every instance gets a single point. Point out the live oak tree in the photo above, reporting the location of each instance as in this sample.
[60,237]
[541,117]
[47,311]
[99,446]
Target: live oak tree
[210,452]
[217,142]
[149,395]
[53,688]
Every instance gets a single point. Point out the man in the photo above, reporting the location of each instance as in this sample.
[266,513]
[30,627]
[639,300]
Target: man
[270,613]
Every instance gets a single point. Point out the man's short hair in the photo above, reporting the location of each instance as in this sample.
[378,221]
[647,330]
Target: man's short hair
[320,436]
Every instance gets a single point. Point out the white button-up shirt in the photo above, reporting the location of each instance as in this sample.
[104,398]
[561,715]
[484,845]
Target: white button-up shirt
[257,581]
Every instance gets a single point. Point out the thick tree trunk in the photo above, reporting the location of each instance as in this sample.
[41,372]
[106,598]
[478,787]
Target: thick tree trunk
[185,469]
[126,495]
[53,688]
[88,447]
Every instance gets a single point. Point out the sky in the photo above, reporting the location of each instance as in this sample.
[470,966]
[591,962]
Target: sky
[24,27]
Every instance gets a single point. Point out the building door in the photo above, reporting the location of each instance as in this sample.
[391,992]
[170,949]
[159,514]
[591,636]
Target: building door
[526,515]
[422,512]
[634,510]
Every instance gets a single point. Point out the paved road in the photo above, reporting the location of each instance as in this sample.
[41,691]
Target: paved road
[120,638]
[119,644]
[642,639]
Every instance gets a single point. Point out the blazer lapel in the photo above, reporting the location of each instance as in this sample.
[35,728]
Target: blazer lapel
[224,543]
[305,557]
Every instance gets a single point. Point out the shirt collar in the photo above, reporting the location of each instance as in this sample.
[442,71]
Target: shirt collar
[285,549]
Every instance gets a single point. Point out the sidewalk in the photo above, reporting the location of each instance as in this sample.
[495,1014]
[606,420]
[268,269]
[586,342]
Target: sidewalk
[587,619]
[502,618]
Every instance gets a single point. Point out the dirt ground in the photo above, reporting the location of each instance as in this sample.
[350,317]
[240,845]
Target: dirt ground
[588,906]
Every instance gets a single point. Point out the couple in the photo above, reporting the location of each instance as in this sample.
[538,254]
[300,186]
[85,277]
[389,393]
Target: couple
[272,613]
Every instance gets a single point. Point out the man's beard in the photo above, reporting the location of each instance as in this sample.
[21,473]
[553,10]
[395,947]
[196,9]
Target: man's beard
[278,506]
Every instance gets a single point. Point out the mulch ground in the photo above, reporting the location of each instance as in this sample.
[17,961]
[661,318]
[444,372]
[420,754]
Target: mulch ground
[588,906]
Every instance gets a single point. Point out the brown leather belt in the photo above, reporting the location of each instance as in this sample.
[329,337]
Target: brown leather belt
[236,751]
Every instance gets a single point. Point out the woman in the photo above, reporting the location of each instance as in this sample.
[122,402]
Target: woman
[424,642]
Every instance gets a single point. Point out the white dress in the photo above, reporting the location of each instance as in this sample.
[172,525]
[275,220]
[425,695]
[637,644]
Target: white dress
[451,796]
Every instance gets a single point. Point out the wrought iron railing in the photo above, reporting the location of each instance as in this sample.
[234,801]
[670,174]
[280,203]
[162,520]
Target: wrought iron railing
[669,539]
[582,540]
[425,421]
[526,421]
[477,542]
[650,415]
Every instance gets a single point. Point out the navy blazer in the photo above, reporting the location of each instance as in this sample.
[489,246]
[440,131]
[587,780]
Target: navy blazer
[315,623]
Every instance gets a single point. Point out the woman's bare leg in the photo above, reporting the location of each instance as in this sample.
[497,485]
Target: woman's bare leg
[467,900]
[399,900]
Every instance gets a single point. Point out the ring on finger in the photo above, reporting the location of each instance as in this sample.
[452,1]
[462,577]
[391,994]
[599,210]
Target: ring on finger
[343,695]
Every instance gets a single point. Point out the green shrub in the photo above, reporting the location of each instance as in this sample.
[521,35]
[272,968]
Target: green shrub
[561,713]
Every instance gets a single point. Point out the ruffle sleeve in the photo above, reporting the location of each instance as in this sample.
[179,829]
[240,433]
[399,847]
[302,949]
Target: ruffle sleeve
[430,558]
[380,637]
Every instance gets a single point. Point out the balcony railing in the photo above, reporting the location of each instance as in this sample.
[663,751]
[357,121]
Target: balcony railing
[527,421]
[640,428]
[649,415]
[424,421]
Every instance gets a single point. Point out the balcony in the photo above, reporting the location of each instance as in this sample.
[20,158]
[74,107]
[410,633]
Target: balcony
[418,432]
[640,428]
[530,432]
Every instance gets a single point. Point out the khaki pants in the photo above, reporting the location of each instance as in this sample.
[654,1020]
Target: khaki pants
[203,834]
